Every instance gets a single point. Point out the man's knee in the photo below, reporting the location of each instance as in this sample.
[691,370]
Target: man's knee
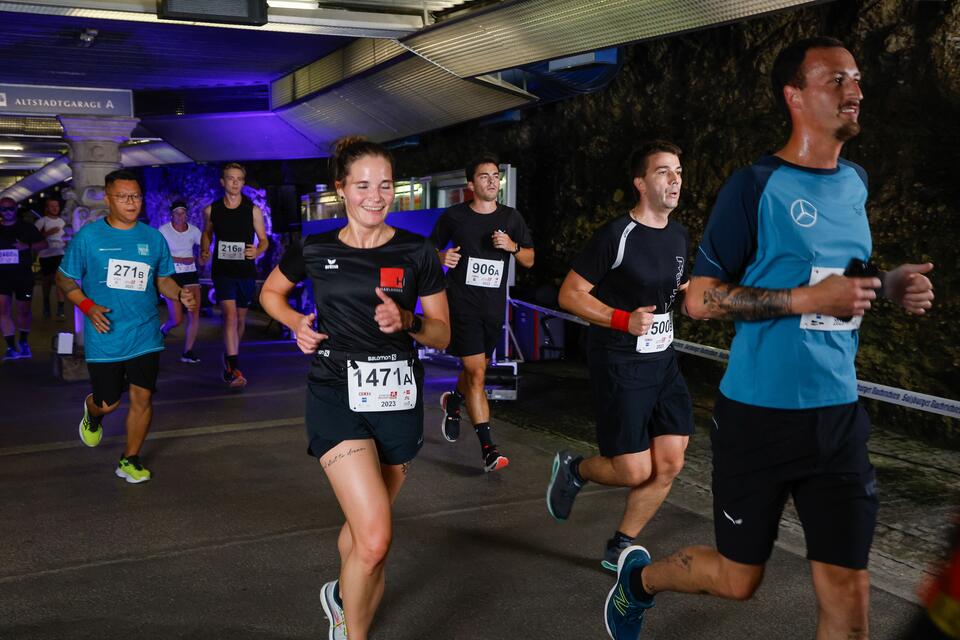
[739,581]
[667,468]
[633,470]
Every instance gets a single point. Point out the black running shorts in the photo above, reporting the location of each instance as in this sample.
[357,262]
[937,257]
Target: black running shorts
[49,265]
[19,286]
[818,456]
[637,401]
[186,278]
[330,421]
[471,335]
[109,379]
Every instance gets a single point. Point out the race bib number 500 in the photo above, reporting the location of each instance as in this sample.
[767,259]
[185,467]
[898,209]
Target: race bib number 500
[127,274]
[659,336]
[381,386]
[484,273]
[231,250]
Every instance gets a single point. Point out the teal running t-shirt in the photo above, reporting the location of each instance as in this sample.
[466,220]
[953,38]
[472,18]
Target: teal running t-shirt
[118,269]
[776,225]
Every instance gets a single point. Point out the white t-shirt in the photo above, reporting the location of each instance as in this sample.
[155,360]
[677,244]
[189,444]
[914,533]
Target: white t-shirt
[55,241]
[181,243]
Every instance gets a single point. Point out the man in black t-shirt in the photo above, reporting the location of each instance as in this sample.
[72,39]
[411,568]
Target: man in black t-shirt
[626,283]
[17,238]
[475,241]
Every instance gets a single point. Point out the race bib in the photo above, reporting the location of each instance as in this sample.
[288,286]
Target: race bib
[231,250]
[127,275]
[9,256]
[820,322]
[484,273]
[659,336]
[381,386]
[182,267]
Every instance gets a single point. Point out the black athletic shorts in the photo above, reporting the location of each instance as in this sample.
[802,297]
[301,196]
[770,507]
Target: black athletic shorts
[818,456]
[17,285]
[330,421]
[474,334]
[109,379]
[49,265]
[186,278]
[637,401]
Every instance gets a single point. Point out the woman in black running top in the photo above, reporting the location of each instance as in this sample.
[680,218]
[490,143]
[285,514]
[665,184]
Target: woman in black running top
[364,413]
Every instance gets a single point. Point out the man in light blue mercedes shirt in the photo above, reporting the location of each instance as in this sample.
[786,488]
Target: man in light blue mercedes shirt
[785,256]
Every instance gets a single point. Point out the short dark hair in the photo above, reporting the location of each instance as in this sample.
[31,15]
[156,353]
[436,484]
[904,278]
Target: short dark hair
[484,158]
[45,199]
[788,67]
[178,204]
[637,166]
[121,174]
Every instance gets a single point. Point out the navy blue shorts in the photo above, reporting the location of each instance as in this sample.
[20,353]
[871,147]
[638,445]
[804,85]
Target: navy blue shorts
[819,456]
[239,289]
[637,401]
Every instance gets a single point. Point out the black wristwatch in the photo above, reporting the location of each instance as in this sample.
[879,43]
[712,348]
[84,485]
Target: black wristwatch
[518,249]
[416,324]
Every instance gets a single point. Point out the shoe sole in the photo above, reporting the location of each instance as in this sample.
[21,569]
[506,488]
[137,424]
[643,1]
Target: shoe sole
[443,420]
[120,473]
[498,464]
[234,384]
[327,613]
[608,566]
[553,479]
[606,603]
[189,361]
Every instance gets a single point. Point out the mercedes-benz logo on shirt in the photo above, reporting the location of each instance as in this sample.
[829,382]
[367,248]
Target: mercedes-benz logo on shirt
[803,213]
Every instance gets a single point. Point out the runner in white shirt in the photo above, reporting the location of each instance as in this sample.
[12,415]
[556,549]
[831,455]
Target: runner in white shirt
[182,237]
[51,227]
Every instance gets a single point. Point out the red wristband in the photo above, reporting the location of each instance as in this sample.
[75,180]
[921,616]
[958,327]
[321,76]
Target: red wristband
[620,320]
[86,305]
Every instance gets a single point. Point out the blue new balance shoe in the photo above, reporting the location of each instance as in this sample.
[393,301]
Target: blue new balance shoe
[623,614]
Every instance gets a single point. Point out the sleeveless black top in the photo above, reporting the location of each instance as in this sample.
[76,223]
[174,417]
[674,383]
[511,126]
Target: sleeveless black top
[231,226]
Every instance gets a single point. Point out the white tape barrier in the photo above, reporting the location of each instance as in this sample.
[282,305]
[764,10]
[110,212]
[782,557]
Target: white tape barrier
[872,390]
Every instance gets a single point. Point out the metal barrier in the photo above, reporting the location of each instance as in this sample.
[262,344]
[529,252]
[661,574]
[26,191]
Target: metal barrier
[872,390]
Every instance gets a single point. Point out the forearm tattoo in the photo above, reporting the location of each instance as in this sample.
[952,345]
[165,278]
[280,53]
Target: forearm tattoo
[733,302]
[340,456]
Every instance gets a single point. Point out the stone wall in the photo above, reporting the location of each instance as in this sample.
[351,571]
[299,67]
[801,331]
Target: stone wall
[709,92]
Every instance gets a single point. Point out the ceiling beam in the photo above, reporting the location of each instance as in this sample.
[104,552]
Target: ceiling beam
[320,21]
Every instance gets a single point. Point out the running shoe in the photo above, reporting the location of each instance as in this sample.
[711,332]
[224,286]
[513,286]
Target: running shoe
[563,487]
[91,431]
[131,470]
[25,351]
[612,553]
[493,461]
[451,420]
[11,354]
[237,381]
[189,356]
[622,613]
[333,612]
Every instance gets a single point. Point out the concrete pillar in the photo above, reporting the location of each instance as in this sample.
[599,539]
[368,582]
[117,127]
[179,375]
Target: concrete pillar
[94,152]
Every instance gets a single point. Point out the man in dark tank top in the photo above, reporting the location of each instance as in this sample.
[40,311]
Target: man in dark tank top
[228,238]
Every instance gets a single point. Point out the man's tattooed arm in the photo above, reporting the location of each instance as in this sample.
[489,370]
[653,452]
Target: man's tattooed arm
[725,301]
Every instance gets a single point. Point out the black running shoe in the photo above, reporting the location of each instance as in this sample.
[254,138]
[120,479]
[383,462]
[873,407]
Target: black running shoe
[189,356]
[493,460]
[563,487]
[451,419]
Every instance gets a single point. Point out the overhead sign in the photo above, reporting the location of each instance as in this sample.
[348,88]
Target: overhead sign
[31,100]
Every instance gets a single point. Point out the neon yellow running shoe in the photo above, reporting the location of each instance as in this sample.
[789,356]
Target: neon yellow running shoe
[91,431]
[131,470]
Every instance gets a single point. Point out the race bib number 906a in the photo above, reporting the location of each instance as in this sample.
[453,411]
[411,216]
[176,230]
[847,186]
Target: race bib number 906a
[381,386]
[659,336]
[484,273]
[231,250]
[128,275]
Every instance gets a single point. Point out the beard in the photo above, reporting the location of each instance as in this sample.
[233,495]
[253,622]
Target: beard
[847,131]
